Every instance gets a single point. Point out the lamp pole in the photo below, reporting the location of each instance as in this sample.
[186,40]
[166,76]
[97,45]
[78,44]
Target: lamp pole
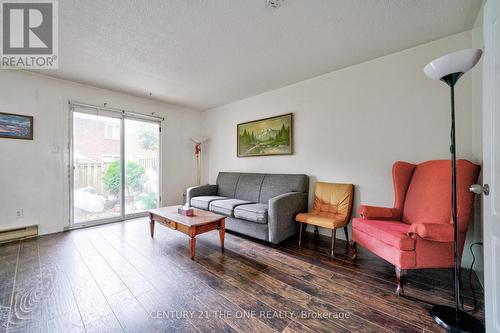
[451,80]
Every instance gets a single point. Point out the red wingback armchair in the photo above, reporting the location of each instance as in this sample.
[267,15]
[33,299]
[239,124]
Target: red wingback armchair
[418,231]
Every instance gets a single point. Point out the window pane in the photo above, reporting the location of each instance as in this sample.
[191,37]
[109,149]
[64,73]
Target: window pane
[141,165]
[96,160]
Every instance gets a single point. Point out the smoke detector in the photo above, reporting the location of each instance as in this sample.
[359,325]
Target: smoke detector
[274,3]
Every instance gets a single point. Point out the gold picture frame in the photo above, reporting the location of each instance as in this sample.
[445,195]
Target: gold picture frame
[265,137]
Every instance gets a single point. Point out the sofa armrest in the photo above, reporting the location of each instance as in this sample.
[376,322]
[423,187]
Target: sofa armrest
[282,211]
[377,213]
[201,190]
[432,231]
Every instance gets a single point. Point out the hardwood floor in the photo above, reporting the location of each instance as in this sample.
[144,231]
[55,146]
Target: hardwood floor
[115,278]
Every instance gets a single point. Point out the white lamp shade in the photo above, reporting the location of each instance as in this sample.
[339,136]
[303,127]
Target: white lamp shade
[456,62]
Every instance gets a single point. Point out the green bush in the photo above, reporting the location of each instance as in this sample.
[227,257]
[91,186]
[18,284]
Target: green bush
[135,177]
[150,201]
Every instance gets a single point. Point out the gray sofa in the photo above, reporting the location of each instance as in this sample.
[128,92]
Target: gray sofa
[258,205]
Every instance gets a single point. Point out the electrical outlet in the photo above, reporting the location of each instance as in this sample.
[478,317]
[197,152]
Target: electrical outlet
[20,213]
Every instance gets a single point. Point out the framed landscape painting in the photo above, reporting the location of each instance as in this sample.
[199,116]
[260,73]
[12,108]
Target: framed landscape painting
[15,126]
[264,137]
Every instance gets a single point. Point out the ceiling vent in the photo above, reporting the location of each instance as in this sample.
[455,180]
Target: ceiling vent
[274,3]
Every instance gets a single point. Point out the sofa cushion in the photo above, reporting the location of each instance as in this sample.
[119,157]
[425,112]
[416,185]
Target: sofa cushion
[393,233]
[248,187]
[253,212]
[203,202]
[226,183]
[226,207]
[402,259]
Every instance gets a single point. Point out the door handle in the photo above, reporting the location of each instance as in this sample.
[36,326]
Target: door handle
[480,189]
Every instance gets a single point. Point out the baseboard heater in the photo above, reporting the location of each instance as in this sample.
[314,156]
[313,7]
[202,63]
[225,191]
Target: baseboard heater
[10,235]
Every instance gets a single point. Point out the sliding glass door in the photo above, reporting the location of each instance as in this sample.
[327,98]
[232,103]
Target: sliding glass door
[141,165]
[115,166]
[96,167]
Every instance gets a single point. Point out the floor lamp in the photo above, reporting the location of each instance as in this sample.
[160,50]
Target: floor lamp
[449,69]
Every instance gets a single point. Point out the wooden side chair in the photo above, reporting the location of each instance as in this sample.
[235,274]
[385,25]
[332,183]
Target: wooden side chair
[331,209]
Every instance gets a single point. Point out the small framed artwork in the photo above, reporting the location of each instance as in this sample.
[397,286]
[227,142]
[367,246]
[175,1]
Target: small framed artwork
[16,126]
[264,137]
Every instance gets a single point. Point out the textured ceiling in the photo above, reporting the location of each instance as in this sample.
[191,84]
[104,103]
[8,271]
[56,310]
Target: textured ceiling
[205,53]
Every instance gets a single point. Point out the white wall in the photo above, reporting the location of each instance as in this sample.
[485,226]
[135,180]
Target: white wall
[35,179]
[351,125]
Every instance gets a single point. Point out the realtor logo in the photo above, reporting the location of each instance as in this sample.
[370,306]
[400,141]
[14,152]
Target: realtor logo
[29,34]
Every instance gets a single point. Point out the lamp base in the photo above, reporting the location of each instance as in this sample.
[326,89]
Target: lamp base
[445,316]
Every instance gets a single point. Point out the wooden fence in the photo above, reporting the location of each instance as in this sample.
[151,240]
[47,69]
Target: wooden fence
[148,163]
[89,174]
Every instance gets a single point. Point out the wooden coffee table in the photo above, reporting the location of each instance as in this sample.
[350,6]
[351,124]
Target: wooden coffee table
[201,222]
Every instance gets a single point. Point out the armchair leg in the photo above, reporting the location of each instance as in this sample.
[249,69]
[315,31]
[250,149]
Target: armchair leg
[400,279]
[334,236]
[354,250]
[346,232]
[300,234]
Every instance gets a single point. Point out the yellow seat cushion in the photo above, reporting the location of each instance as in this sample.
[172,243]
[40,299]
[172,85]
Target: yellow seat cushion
[322,220]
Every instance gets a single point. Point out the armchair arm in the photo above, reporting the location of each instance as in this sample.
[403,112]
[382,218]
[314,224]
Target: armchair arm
[282,211]
[377,213]
[432,231]
[201,190]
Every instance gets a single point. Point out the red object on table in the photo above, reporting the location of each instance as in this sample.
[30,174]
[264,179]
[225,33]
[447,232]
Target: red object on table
[185,211]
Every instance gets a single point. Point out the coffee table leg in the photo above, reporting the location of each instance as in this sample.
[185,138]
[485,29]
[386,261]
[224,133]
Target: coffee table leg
[192,243]
[222,232]
[151,226]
